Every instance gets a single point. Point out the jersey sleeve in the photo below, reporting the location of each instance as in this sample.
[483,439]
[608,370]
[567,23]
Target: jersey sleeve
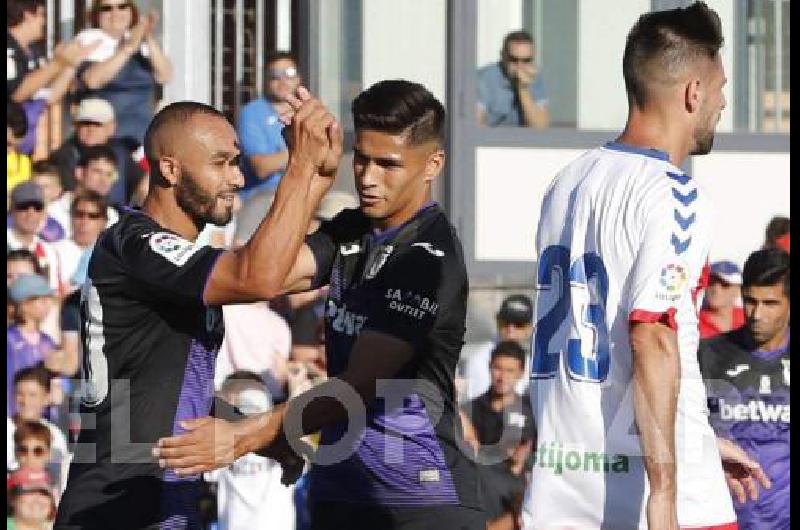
[174,268]
[416,292]
[659,281]
[325,242]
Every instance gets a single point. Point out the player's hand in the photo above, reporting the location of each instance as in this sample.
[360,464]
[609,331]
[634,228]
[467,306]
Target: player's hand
[662,512]
[741,471]
[208,444]
[303,115]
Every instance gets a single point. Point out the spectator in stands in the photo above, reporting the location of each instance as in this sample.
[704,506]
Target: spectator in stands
[722,310]
[511,92]
[263,148]
[18,164]
[19,262]
[31,80]
[27,217]
[514,322]
[45,174]
[504,427]
[89,213]
[32,397]
[746,372]
[126,67]
[778,233]
[96,171]
[33,506]
[32,443]
[250,491]
[26,344]
[94,126]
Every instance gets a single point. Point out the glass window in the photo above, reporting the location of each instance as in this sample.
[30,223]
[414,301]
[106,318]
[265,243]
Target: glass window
[576,63]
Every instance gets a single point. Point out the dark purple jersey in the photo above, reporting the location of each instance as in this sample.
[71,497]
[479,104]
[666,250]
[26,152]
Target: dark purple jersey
[411,283]
[748,397]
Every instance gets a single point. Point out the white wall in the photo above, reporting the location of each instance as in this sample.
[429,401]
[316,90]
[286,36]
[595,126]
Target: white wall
[496,18]
[601,41]
[509,187]
[747,190]
[405,40]
[186,33]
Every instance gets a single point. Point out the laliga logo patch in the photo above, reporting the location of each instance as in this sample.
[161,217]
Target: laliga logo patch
[174,249]
[673,278]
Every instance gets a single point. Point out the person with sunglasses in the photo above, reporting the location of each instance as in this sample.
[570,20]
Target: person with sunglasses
[33,441]
[264,149]
[27,217]
[511,92]
[126,67]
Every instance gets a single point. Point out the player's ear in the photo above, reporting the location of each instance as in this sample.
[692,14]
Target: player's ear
[170,169]
[434,165]
[693,95]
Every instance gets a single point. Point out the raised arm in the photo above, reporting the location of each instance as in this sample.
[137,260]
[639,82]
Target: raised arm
[274,259]
[162,67]
[656,382]
[100,73]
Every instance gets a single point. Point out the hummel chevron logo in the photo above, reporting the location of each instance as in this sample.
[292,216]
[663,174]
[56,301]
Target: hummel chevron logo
[684,223]
[680,246]
[683,179]
[686,200]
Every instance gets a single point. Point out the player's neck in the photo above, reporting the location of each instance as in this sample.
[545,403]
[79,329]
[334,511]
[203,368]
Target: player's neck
[776,342]
[162,208]
[403,215]
[653,131]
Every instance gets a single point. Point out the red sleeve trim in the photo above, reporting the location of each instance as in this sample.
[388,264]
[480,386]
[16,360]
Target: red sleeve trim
[639,316]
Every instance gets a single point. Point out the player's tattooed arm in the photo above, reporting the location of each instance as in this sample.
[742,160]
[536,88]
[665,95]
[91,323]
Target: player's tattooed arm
[656,382]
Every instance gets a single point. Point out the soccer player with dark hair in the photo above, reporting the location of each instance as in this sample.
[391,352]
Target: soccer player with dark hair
[622,244]
[151,314]
[747,379]
[394,318]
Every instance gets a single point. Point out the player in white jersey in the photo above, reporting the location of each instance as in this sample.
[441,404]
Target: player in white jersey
[624,440]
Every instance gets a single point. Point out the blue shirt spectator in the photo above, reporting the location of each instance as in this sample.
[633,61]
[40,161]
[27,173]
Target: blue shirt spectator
[260,134]
[264,150]
[511,92]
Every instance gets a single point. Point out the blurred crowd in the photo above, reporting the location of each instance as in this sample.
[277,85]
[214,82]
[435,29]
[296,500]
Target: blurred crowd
[108,77]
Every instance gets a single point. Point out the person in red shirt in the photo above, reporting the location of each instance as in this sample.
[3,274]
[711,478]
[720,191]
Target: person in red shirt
[722,309]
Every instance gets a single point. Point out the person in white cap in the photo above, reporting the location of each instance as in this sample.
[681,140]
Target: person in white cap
[95,124]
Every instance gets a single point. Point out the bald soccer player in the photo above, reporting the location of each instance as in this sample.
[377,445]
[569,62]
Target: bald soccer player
[151,309]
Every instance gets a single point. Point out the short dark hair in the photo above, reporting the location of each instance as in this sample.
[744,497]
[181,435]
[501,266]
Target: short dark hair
[44,167]
[16,119]
[278,55]
[92,197]
[16,9]
[662,42]
[509,348]
[38,374]
[179,112]
[516,36]
[32,429]
[400,107]
[97,152]
[766,267]
[22,254]
[778,226]
[94,14]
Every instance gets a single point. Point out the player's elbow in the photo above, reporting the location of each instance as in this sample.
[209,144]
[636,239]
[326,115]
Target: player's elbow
[654,344]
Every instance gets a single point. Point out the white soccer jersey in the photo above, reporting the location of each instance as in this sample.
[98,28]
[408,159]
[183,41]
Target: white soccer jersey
[623,236]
